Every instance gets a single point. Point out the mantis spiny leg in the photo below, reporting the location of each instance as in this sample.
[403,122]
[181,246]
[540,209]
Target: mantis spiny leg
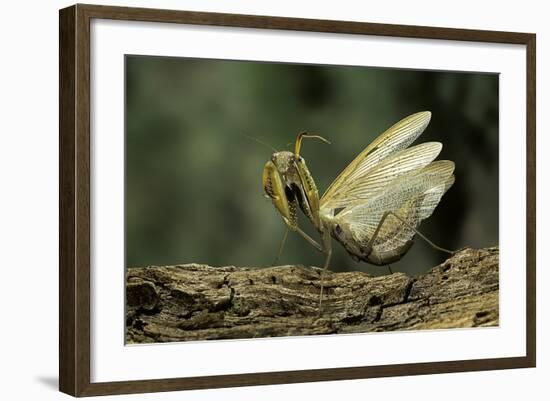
[386,214]
[281,247]
[304,235]
[327,250]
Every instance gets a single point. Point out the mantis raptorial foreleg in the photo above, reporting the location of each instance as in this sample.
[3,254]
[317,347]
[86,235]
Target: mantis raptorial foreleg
[383,219]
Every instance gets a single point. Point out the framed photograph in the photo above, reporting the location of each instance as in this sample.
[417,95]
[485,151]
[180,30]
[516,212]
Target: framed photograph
[250,200]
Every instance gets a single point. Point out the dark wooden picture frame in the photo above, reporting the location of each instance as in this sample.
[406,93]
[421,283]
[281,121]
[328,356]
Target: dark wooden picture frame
[74,214]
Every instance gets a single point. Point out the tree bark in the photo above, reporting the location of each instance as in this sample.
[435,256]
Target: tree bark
[199,302]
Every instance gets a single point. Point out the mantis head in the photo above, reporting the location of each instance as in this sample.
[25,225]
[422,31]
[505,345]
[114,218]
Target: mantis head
[288,183]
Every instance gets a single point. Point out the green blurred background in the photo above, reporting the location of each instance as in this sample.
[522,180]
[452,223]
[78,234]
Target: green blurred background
[193,179]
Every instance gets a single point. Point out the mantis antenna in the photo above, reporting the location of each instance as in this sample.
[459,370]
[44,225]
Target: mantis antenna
[302,135]
[260,142]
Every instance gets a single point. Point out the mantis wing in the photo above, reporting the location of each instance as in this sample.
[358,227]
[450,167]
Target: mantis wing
[380,176]
[397,137]
[412,196]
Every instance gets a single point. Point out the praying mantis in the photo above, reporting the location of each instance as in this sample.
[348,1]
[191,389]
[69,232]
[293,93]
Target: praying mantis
[375,205]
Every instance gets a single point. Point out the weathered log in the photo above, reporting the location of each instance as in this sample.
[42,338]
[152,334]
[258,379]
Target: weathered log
[198,302]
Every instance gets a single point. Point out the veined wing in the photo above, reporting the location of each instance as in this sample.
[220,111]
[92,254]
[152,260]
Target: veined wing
[398,136]
[381,175]
[413,197]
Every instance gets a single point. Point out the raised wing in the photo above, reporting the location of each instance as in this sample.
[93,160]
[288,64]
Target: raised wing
[381,175]
[412,196]
[397,137]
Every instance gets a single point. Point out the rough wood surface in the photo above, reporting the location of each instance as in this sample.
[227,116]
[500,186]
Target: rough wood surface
[198,302]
